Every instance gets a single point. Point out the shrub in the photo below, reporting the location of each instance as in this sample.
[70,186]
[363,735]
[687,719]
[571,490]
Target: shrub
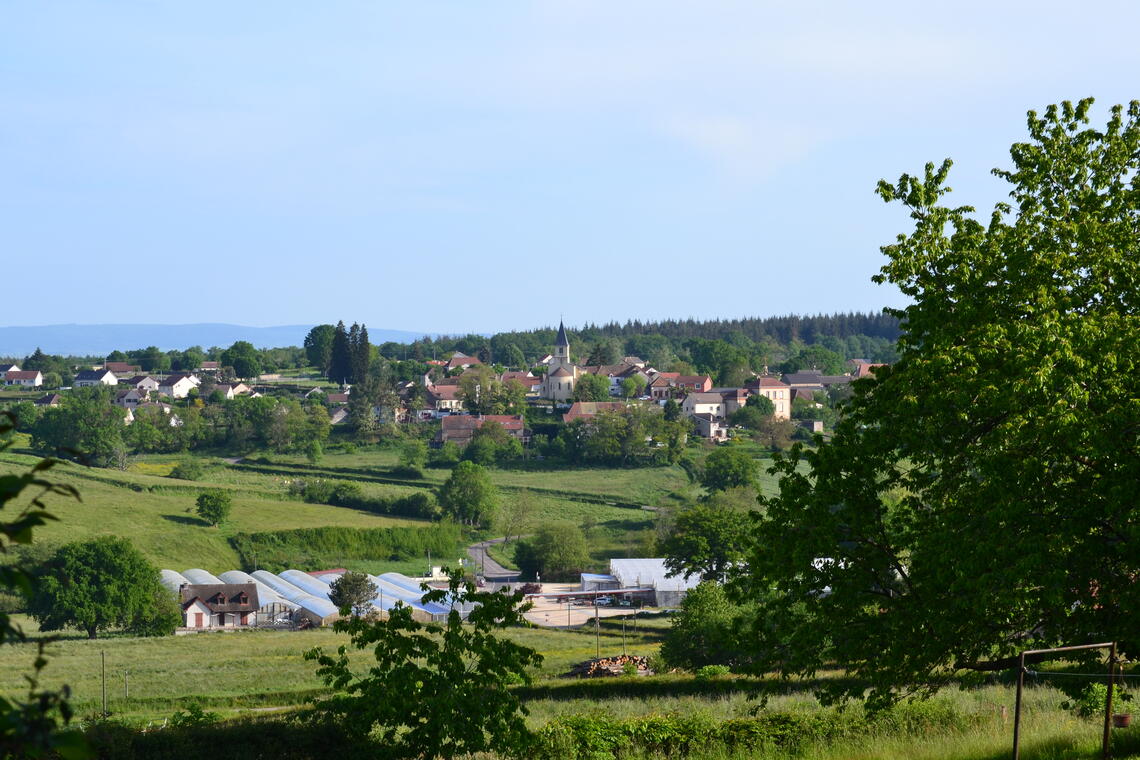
[189,469]
[712,671]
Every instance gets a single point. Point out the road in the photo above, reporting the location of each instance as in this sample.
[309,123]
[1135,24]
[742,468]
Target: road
[491,570]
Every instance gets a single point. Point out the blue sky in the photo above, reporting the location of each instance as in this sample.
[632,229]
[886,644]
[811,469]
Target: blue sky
[458,166]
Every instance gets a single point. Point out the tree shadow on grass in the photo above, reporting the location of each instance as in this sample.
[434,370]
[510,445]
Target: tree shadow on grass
[186,520]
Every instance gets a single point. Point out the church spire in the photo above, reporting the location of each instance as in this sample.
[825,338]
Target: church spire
[562,340]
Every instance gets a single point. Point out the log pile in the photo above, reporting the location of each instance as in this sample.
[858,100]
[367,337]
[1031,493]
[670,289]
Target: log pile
[610,666]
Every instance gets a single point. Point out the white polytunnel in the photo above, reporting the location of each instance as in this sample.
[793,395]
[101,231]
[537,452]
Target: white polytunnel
[405,590]
[323,608]
[201,577]
[173,580]
[264,593]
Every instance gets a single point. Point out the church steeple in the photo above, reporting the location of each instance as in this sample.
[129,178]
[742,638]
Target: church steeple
[562,345]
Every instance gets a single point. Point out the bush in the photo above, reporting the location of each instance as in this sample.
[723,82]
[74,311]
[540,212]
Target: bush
[709,672]
[189,469]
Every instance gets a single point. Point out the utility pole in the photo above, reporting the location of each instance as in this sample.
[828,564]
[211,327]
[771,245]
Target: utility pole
[103,656]
[597,629]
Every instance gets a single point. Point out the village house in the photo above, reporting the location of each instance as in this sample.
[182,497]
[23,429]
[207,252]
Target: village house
[443,399]
[6,368]
[710,427]
[209,367]
[586,409]
[776,391]
[459,428]
[50,400]
[144,383]
[458,360]
[178,386]
[219,605]
[24,378]
[129,399]
[704,403]
[91,377]
[121,368]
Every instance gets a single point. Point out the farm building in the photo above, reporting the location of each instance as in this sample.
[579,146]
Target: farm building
[668,589]
[293,597]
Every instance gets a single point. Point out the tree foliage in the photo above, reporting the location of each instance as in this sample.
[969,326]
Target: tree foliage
[978,497]
[31,726]
[708,630]
[707,539]
[468,496]
[214,506]
[435,690]
[353,592]
[592,388]
[101,584]
[557,551]
[729,467]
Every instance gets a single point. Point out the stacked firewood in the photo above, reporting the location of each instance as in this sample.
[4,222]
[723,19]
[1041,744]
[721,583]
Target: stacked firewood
[609,666]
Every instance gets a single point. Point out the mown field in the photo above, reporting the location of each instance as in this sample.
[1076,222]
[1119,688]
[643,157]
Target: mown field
[264,673]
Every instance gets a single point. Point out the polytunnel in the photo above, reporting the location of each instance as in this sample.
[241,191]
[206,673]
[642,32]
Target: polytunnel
[173,580]
[201,577]
[402,592]
[320,608]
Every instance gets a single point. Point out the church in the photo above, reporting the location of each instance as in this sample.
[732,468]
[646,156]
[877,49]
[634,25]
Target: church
[562,373]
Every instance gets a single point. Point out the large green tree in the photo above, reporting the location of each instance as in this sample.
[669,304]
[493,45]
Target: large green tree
[244,358]
[592,388]
[434,690]
[978,497]
[318,347]
[85,427]
[468,496]
[353,592]
[729,467]
[101,584]
[557,551]
[707,539]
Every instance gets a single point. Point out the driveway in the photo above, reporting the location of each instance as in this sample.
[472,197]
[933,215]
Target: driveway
[487,567]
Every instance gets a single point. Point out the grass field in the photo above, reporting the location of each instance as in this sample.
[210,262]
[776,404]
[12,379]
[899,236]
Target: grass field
[160,520]
[235,672]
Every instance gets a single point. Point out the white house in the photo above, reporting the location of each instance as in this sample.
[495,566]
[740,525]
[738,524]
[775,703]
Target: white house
[129,399]
[6,368]
[178,386]
[24,378]
[90,377]
[704,403]
[144,383]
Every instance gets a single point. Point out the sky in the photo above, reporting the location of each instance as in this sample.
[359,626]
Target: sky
[454,167]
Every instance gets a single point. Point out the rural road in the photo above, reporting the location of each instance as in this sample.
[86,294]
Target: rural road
[491,570]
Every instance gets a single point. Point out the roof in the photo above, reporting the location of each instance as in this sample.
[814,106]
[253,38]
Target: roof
[138,379]
[561,372]
[9,368]
[175,379]
[337,398]
[767,382]
[222,597]
[561,340]
[22,374]
[92,374]
[52,399]
[693,379]
[580,409]
[804,377]
[210,365]
[444,393]
[459,422]
[705,398]
[121,367]
[650,572]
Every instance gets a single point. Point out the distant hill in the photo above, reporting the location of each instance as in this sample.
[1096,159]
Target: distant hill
[99,340]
